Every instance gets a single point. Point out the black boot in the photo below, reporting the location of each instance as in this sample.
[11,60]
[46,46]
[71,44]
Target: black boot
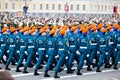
[115,67]
[107,66]
[0,68]
[25,71]
[61,69]
[78,72]
[46,74]
[18,70]
[56,76]
[36,73]
[7,68]
[88,68]
[69,71]
[98,69]
[31,65]
[22,65]
[40,67]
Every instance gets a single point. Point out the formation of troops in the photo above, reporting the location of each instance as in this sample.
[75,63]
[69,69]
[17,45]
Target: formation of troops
[56,42]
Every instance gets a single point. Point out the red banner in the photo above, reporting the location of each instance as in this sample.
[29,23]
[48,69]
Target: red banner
[115,9]
[66,7]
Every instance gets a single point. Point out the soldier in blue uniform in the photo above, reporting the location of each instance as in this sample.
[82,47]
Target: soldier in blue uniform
[51,43]
[72,48]
[83,46]
[41,48]
[23,47]
[12,48]
[31,43]
[111,47]
[92,47]
[3,41]
[102,48]
[117,53]
[61,50]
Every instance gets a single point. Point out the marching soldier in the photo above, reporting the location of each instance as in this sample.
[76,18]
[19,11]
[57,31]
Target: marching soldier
[51,45]
[83,46]
[72,48]
[61,50]
[31,43]
[23,47]
[102,48]
[41,48]
[92,47]
[12,47]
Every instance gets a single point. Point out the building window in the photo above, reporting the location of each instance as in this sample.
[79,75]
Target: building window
[6,5]
[109,8]
[102,8]
[59,6]
[78,7]
[47,6]
[71,7]
[34,6]
[40,6]
[84,7]
[53,6]
[105,8]
[91,8]
[13,5]
[98,7]
[20,6]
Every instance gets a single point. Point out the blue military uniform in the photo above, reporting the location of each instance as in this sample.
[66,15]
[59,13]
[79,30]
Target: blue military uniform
[117,53]
[102,49]
[41,48]
[83,46]
[72,48]
[31,39]
[3,41]
[62,52]
[12,49]
[51,43]
[23,47]
[111,48]
[92,49]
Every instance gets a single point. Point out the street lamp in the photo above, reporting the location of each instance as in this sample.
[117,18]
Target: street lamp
[25,8]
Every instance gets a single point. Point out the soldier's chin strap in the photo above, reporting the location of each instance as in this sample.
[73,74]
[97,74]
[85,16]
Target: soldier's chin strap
[119,31]
[114,29]
[102,33]
[60,36]
[84,34]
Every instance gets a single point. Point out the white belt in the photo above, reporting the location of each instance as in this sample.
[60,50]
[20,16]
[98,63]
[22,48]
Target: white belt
[72,45]
[41,48]
[102,45]
[30,46]
[111,42]
[93,43]
[61,49]
[118,44]
[3,44]
[83,47]
[12,45]
[51,48]
[22,46]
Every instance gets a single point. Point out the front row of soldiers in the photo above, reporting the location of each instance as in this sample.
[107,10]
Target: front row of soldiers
[58,45]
